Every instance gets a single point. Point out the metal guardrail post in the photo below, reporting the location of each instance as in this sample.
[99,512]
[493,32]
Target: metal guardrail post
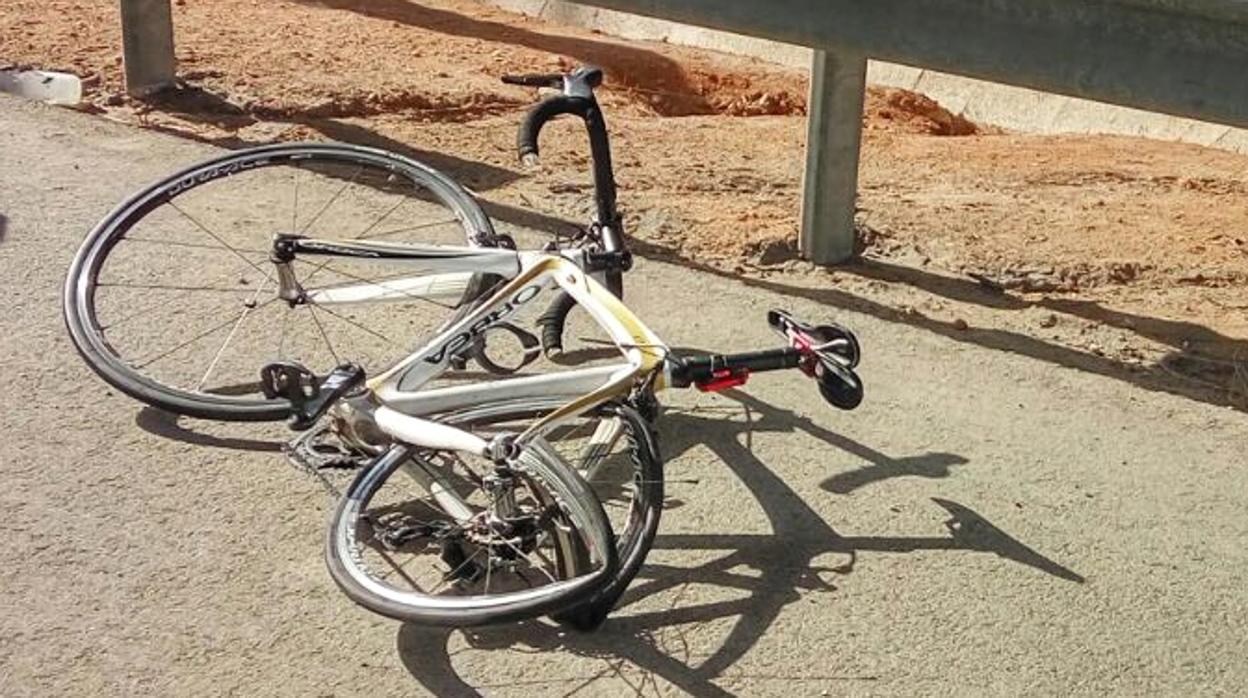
[838,83]
[147,45]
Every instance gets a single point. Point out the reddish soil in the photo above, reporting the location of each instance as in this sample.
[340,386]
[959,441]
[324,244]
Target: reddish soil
[1131,253]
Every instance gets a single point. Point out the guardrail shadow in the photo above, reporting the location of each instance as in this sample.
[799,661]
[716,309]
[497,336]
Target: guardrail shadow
[1174,375]
[781,567]
[1199,354]
[630,67]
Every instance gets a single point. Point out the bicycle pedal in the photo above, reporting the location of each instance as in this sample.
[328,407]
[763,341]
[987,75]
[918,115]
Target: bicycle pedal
[339,383]
[288,379]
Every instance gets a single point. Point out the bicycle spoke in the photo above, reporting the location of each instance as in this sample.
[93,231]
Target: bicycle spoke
[397,568]
[174,243]
[545,560]
[213,235]
[168,287]
[324,336]
[410,228]
[196,338]
[315,270]
[451,575]
[160,301]
[529,558]
[247,308]
[307,226]
[363,233]
[353,323]
[142,312]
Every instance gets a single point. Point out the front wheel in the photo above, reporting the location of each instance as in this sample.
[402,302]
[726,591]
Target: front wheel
[173,297]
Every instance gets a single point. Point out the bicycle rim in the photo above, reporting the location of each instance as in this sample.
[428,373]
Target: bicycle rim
[172,297]
[615,450]
[399,549]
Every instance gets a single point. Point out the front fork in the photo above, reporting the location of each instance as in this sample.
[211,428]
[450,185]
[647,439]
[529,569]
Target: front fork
[283,258]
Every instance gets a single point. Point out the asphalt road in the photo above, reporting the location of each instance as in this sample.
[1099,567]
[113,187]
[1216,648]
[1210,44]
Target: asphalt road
[986,523]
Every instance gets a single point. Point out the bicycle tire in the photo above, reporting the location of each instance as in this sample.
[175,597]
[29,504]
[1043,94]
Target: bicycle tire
[635,539]
[575,499]
[80,285]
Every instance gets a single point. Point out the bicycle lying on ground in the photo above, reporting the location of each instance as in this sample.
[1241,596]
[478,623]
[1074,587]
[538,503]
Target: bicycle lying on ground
[519,496]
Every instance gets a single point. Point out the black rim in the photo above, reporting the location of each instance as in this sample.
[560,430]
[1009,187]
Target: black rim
[80,314]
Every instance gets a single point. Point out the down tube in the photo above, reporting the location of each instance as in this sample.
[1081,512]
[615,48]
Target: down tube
[640,346]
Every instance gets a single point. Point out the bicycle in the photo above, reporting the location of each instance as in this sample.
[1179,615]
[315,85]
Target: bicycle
[513,477]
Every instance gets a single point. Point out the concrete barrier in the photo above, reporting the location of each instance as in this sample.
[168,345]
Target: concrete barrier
[1006,106]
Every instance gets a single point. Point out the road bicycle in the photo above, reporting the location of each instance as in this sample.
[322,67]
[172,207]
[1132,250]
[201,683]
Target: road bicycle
[485,492]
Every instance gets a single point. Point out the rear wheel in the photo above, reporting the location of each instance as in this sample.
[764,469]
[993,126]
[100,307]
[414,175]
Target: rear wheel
[173,298]
[612,455]
[614,448]
[446,538]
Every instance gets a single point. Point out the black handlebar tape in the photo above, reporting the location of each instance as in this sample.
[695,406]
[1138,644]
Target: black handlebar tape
[702,368]
[531,127]
[552,322]
[556,316]
[534,80]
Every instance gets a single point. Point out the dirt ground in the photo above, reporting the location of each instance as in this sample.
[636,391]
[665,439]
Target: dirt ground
[1125,255]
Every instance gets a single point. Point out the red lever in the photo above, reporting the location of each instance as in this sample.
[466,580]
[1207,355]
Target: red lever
[724,379]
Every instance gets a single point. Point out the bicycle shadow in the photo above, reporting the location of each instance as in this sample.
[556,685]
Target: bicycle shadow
[197,104]
[765,576]
[169,425]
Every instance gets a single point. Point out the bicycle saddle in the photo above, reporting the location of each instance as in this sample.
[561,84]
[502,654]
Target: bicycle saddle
[832,352]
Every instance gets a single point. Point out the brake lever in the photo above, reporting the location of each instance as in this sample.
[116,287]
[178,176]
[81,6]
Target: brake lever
[830,338]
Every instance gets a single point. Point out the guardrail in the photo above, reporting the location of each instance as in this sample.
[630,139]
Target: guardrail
[1182,57]
[147,45]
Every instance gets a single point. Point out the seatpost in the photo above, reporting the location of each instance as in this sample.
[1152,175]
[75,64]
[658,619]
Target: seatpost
[712,372]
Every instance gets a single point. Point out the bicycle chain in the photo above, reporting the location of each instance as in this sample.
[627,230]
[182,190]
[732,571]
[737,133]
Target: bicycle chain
[302,453]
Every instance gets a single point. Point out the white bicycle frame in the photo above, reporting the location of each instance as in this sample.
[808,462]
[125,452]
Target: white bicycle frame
[401,404]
